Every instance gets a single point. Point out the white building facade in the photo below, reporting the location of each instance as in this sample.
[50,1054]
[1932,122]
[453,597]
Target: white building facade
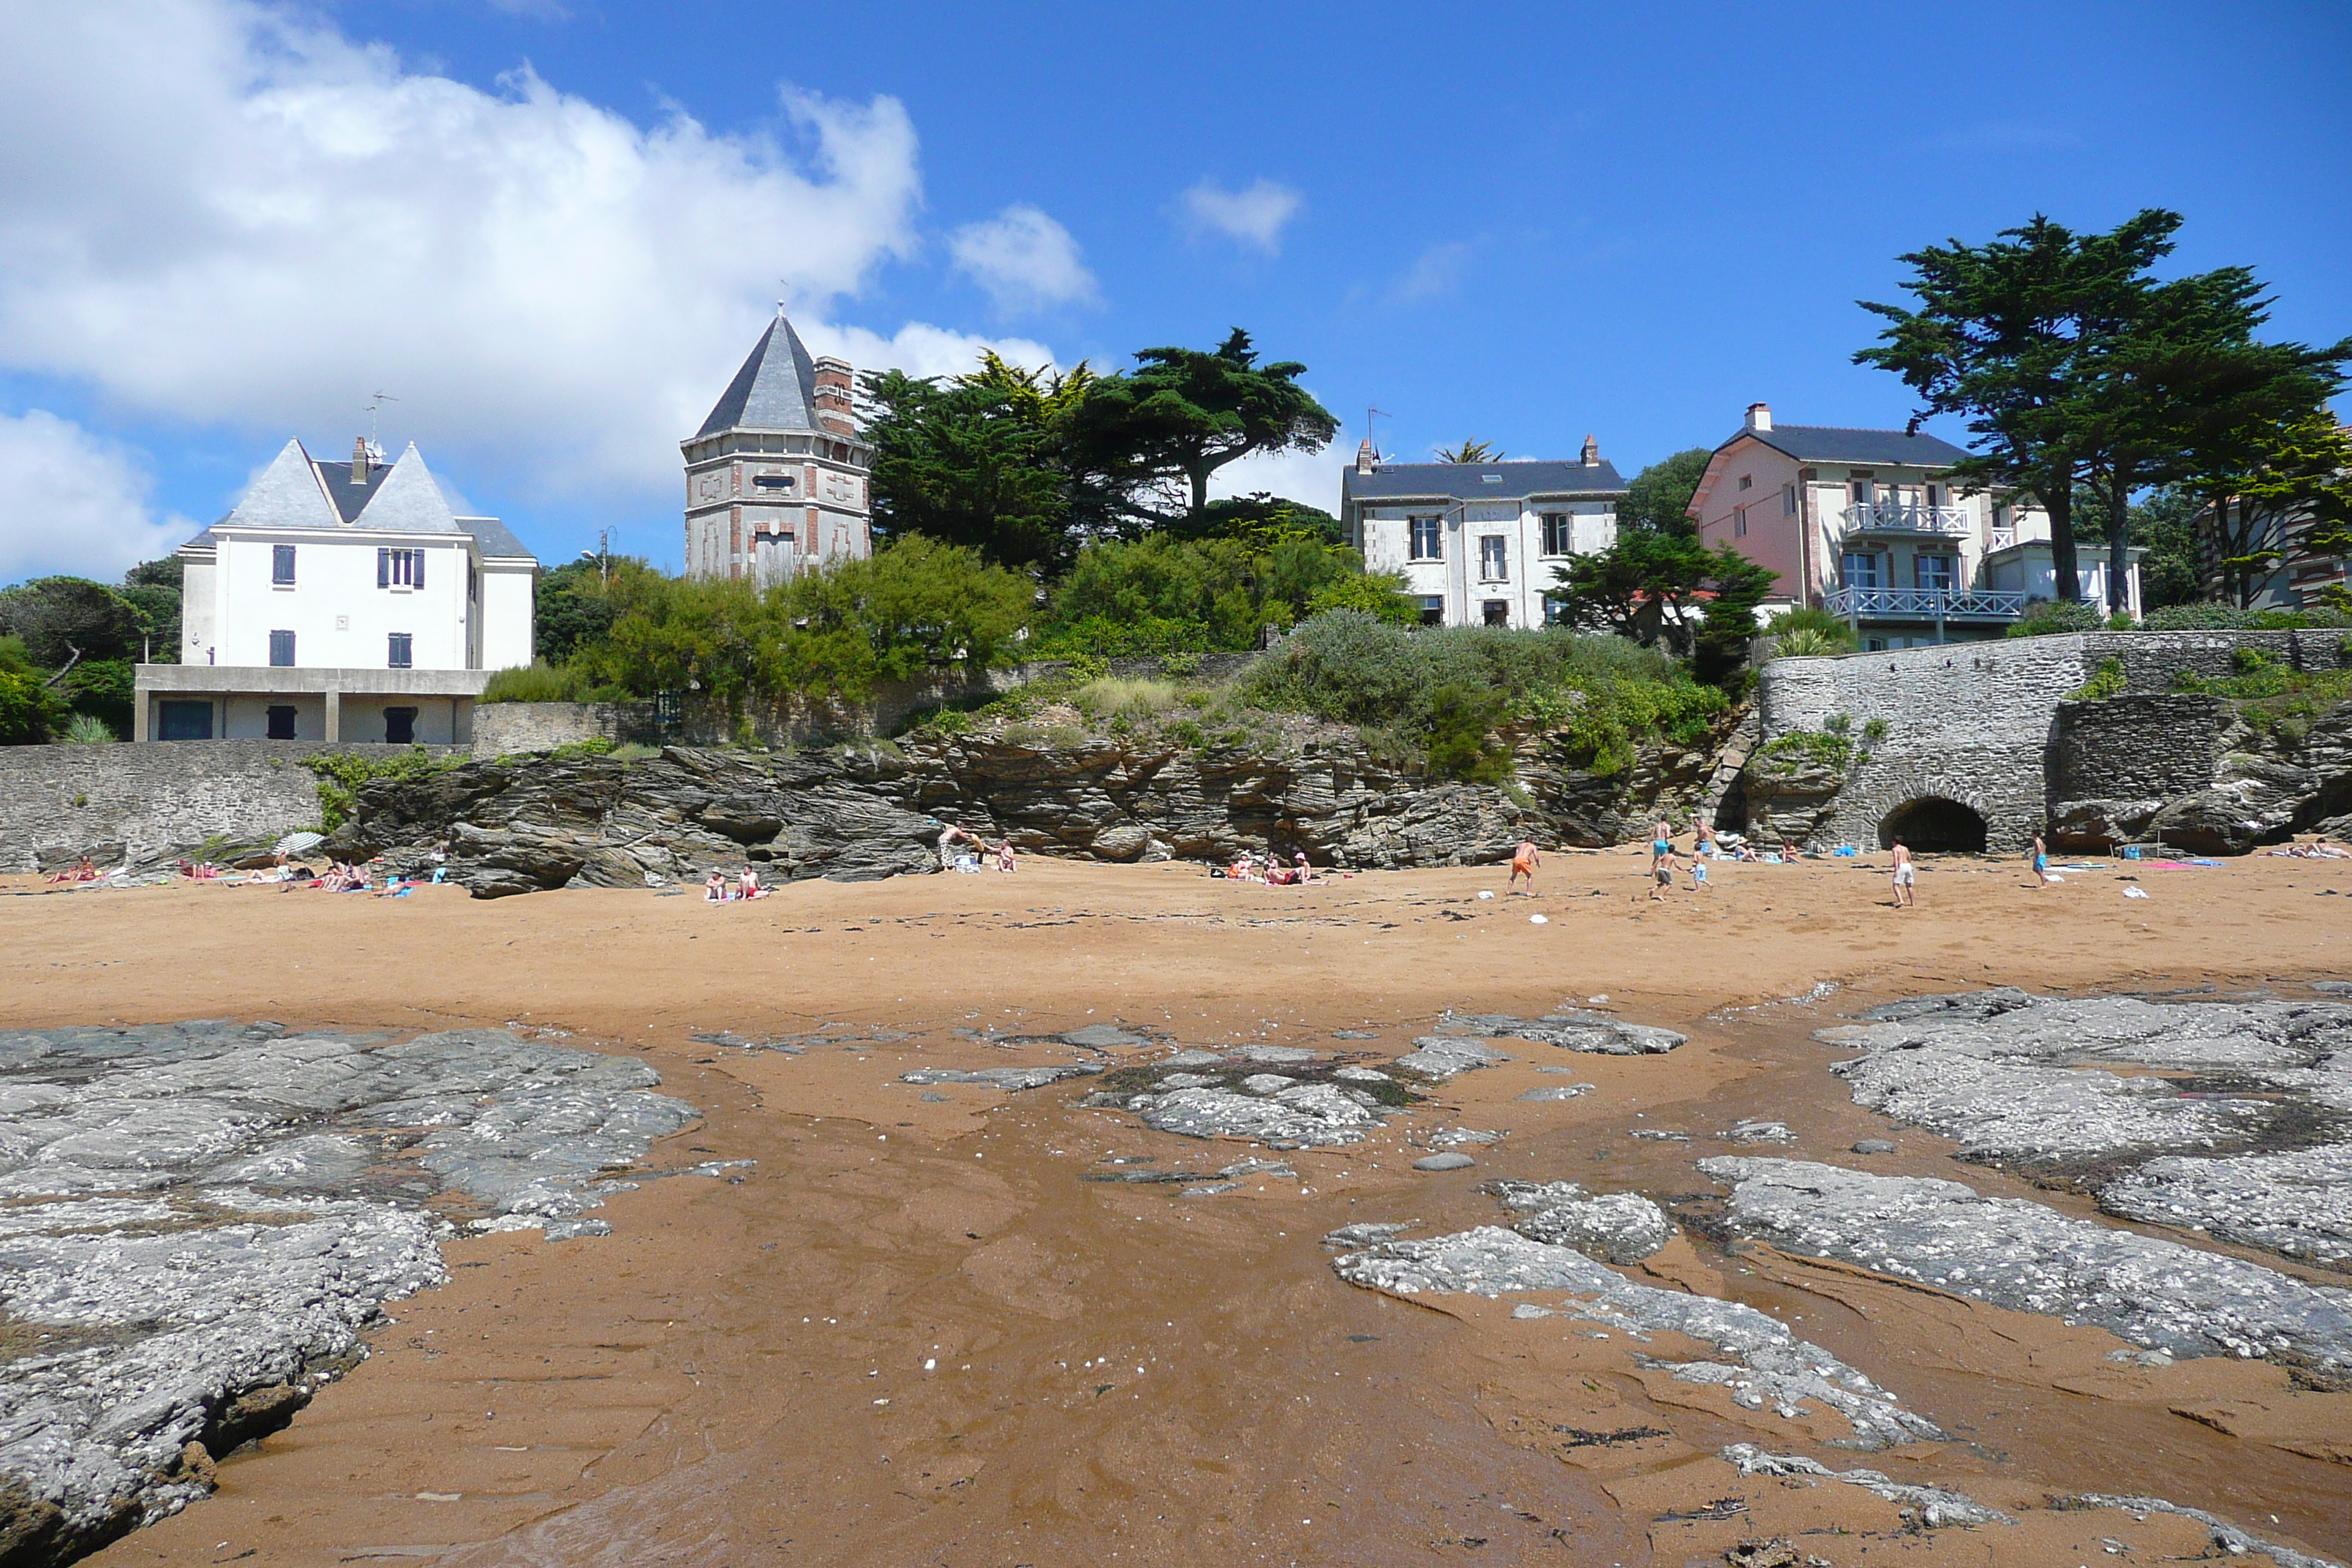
[1480,544]
[777,479]
[341,602]
[1868,525]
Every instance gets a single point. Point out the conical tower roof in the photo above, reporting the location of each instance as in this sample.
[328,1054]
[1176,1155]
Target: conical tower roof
[775,390]
[287,495]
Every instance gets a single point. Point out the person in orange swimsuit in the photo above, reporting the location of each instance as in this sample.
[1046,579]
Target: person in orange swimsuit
[1523,861]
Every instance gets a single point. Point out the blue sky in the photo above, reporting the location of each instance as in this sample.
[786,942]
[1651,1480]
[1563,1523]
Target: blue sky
[550,229]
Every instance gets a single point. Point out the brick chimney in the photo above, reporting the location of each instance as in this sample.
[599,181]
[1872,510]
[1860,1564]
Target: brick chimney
[1592,453]
[1367,460]
[360,461]
[834,387]
[1760,418]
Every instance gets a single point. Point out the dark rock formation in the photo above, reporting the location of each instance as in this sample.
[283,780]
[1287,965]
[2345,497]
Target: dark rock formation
[517,824]
[2192,771]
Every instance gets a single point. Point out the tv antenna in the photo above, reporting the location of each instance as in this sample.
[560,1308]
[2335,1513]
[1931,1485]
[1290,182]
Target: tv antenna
[1369,413]
[381,399]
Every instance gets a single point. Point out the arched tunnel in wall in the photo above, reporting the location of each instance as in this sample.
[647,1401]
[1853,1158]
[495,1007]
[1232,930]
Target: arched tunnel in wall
[1934,822]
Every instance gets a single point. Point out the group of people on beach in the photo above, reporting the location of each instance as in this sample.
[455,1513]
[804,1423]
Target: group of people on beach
[982,850]
[1271,871]
[717,889]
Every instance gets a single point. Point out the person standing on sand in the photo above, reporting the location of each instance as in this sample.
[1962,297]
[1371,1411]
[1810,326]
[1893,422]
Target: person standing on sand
[1523,861]
[1662,861]
[1705,845]
[1904,873]
[2041,863]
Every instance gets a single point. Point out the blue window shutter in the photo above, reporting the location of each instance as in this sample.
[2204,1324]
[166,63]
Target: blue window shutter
[416,557]
[384,568]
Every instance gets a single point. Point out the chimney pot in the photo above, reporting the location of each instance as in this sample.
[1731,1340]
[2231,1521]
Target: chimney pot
[1367,460]
[1759,417]
[360,460]
[1592,453]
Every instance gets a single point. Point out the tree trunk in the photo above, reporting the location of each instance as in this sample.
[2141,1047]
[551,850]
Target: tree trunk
[1199,473]
[2118,539]
[2058,501]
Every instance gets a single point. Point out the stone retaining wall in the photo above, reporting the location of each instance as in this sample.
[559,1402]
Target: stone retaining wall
[1973,723]
[125,801]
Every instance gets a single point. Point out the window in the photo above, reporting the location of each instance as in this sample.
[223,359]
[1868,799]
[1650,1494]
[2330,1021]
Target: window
[1559,533]
[1490,478]
[1426,542]
[1787,501]
[1433,610]
[1746,481]
[1936,572]
[1554,607]
[1740,522]
[1935,495]
[282,724]
[281,649]
[774,481]
[281,567]
[1864,493]
[403,656]
[1499,612]
[400,568]
[186,721]
[1494,558]
[400,726]
[1860,571]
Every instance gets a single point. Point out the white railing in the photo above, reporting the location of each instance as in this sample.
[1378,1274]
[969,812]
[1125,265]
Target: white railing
[2002,538]
[1901,516]
[1921,603]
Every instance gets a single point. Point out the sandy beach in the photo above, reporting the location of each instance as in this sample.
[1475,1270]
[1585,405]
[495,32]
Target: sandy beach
[911,1332]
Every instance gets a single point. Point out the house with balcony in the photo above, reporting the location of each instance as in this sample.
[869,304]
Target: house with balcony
[1868,525]
[346,602]
[1479,543]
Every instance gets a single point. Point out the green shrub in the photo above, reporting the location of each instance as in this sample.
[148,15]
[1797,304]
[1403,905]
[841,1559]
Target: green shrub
[1875,731]
[1180,665]
[1378,593]
[2107,681]
[2052,617]
[2248,660]
[340,774]
[1109,696]
[536,682]
[88,729]
[1792,751]
[2121,621]
[2210,617]
[1806,631]
[28,710]
[1838,723]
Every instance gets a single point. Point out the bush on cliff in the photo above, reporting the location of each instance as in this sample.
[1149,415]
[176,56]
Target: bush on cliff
[1163,594]
[2053,618]
[1603,694]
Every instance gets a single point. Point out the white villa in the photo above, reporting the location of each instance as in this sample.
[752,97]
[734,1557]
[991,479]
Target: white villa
[1867,525]
[777,478]
[1478,543]
[341,602]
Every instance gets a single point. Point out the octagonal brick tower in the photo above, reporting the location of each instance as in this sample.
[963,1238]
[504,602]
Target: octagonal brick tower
[777,478]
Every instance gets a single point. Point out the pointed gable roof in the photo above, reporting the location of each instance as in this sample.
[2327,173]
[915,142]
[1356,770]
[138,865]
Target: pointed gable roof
[775,390]
[287,495]
[408,501]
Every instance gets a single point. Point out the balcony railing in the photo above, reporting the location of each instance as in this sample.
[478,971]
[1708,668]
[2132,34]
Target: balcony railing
[1901,516]
[1921,604]
[2002,538]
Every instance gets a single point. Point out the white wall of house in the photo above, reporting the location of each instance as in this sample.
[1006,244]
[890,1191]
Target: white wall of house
[463,617]
[1499,552]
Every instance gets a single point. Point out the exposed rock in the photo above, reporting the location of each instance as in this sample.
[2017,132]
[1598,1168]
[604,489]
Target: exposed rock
[1936,1508]
[202,1218]
[1361,1075]
[1758,1131]
[1561,1092]
[1444,1056]
[1367,1232]
[1014,1078]
[1768,1365]
[1264,1083]
[1304,1115]
[2243,1129]
[1443,1162]
[1102,1038]
[1873,1146]
[2227,1537]
[1572,1029]
[2021,1255]
[1455,1137]
[1616,1227]
[2192,771]
[1276,1055]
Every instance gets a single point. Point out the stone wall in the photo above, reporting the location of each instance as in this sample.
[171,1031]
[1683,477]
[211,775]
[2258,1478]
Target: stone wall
[1970,722]
[510,729]
[125,803]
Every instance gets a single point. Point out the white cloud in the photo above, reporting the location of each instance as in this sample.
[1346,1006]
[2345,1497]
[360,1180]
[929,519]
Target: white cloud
[223,216]
[70,502]
[920,350]
[1255,216]
[1436,272]
[1309,477]
[1024,260]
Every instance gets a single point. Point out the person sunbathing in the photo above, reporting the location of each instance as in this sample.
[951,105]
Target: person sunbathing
[714,891]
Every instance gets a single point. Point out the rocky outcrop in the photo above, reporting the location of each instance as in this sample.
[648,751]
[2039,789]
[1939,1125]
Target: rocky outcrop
[2193,771]
[516,824]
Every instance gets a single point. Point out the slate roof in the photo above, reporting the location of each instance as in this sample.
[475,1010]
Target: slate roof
[295,492]
[775,390]
[1467,482]
[1836,444]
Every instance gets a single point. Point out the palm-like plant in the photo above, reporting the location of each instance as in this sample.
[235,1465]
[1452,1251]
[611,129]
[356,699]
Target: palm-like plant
[1470,450]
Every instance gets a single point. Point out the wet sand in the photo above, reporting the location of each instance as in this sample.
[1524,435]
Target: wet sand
[1122,1374]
